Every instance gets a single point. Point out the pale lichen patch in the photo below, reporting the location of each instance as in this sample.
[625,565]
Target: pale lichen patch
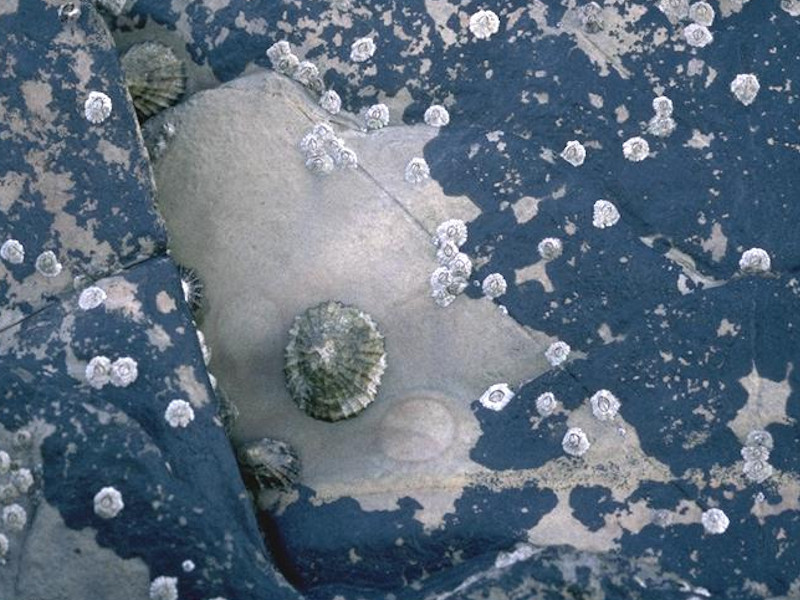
[165,303]
[194,390]
[766,403]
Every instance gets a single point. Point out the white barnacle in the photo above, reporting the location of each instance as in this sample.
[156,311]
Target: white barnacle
[702,13]
[761,438]
[47,264]
[164,588]
[484,24]
[497,396]
[755,260]
[362,49]
[447,251]
[662,106]
[417,171]
[98,372]
[437,116]
[675,10]
[5,462]
[320,164]
[12,251]
[287,65]
[442,298]
[188,566]
[204,347]
[757,471]
[460,266]
[323,131]
[22,479]
[605,214]
[69,11]
[557,353]
[574,153]
[452,230]
[750,453]
[494,285]
[546,404]
[15,517]
[8,493]
[305,72]
[124,371]
[550,248]
[441,278]
[697,35]
[636,149]
[23,439]
[179,413]
[715,521]
[792,7]
[605,405]
[278,50]
[457,285]
[3,547]
[331,102]
[575,442]
[311,144]
[661,126]
[745,88]
[108,503]
[376,116]
[91,297]
[346,158]
[97,107]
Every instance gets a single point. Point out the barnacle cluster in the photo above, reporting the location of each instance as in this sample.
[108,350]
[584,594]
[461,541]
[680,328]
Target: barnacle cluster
[97,107]
[155,77]
[484,24]
[574,153]
[604,405]
[546,404]
[697,35]
[362,49]
[494,285]
[12,252]
[662,124]
[604,214]
[417,170]
[376,116]
[745,88]
[19,469]
[635,149]
[436,115]
[497,397]
[284,61]
[100,371]
[108,503]
[179,413]
[755,261]
[451,277]
[47,264]
[591,15]
[715,521]
[324,151]
[557,353]
[755,453]
[272,463]
[334,361]
[575,442]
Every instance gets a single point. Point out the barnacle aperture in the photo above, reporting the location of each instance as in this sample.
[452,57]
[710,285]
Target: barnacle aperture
[334,361]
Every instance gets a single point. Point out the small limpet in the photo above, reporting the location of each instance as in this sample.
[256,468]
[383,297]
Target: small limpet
[273,463]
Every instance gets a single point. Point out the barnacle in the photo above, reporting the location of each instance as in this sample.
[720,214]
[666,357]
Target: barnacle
[69,11]
[124,371]
[697,35]
[662,106]
[8,493]
[484,24]
[442,297]
[334,361]
[592,17]
[91,297]
[574,153]
[550,248]
[715,521]
[497,396]
[605,214]
[12,251]
[755,260]
[47,264]
[457,285]
[750,453]
[661,126]
[417,170]
[575,442]
[604,405]
[745,87]
[179,413]
[305,73]
[320,164]
[286,65]
[546,404]
[331,102]
[494,285]
[278,50]
[760,437]
[460,266]
[362,49]
[437,116]
[273,464]
[98,372]
[447,251]
[441,278]
[164,588]
[192,287]
[14,517]
[108,503]
[452,230]
[792,7]
[155,77]
[557,353]
[97,107]
[311,144]
[636,149]
[324,132]
[23,439]
[675,10]
[188,566]
[702,13]
[757,471]
[376,116]
[22,479]
[346,158]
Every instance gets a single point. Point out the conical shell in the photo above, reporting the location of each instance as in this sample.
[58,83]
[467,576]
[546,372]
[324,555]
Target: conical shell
[334,361]
[155,77]
[274,464]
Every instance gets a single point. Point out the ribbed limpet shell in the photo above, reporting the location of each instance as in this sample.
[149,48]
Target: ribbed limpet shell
[273,464]
[334,361]
[155,77]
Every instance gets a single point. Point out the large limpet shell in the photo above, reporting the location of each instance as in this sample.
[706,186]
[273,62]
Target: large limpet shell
[273,464]
[155,77]
[334,361]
